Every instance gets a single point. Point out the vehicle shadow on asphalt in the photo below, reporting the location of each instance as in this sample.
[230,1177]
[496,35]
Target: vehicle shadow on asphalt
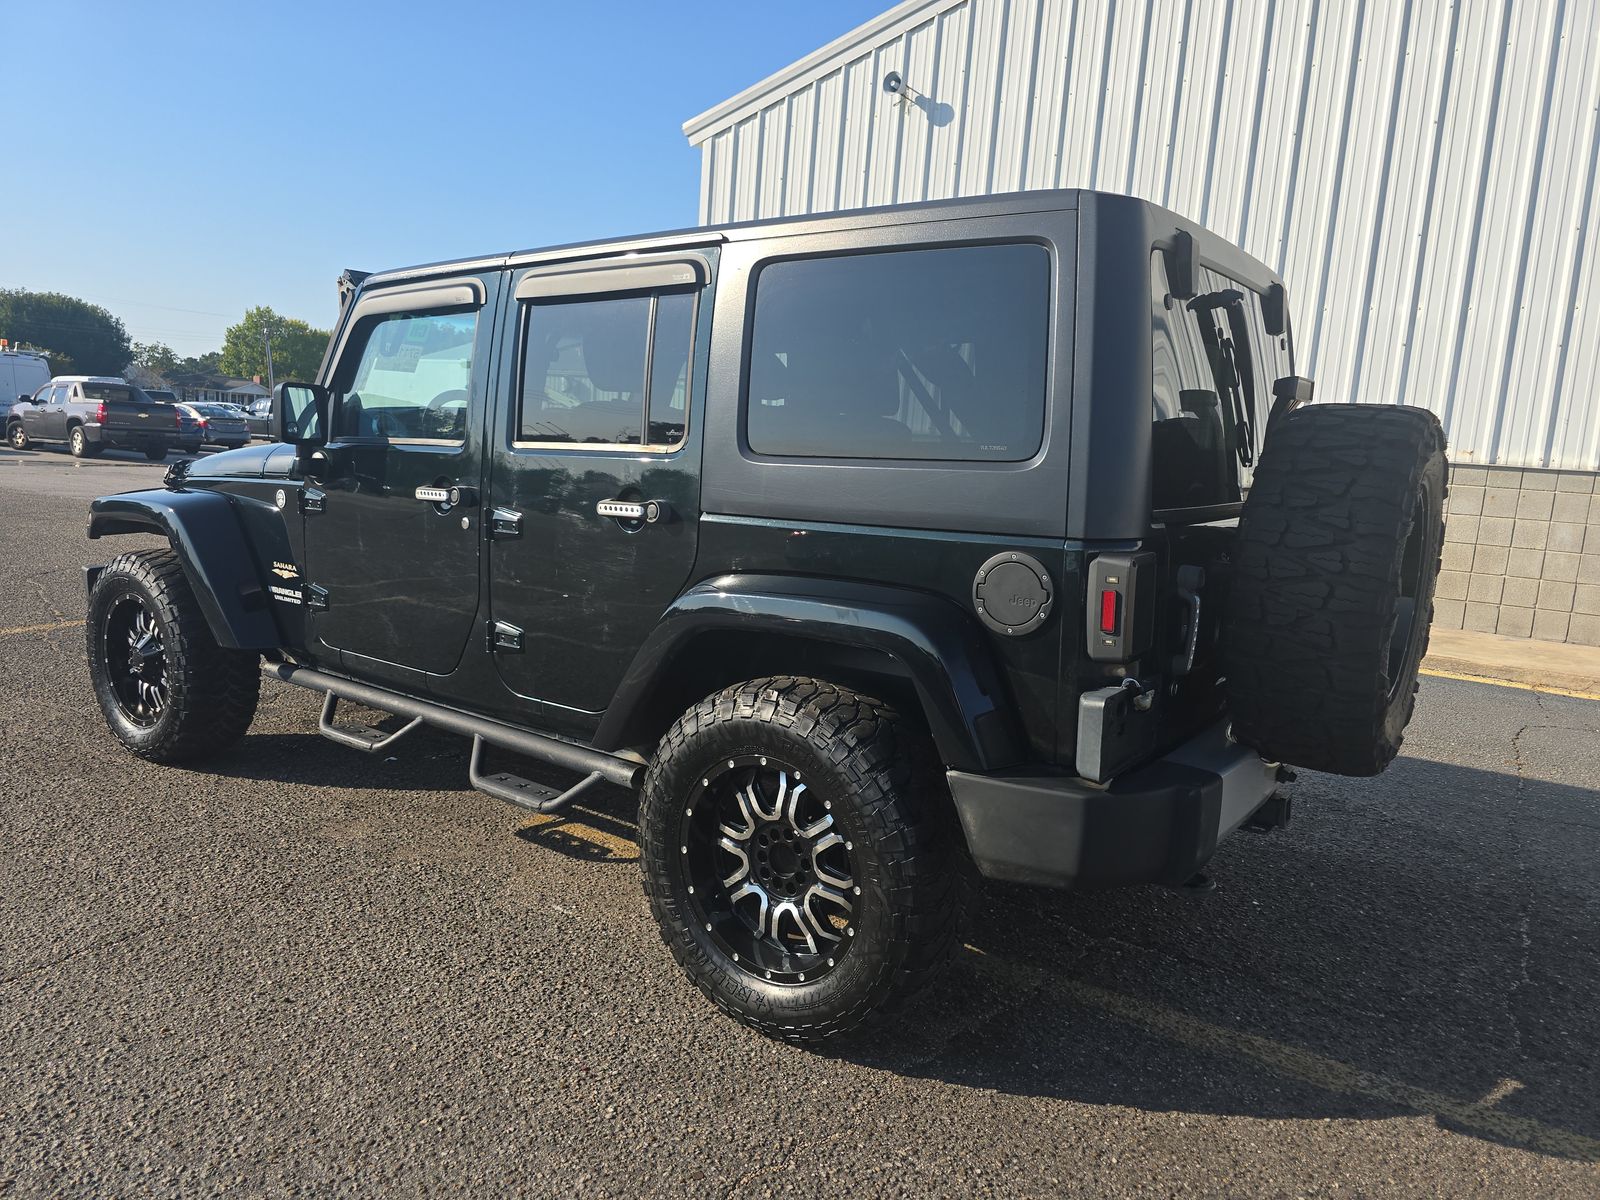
[1338,971]
[1363,964]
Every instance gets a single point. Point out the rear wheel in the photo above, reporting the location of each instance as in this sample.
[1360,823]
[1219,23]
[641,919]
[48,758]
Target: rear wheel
[16,436]
[1332,595]
[795,858]
[155,453]
[78,443]
[169,692]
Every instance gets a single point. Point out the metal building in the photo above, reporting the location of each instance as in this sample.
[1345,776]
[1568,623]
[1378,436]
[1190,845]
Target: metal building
[1422,172]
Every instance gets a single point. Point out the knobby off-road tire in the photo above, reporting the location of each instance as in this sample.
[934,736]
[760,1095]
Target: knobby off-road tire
[866,772]
[169,692]
[1332,594]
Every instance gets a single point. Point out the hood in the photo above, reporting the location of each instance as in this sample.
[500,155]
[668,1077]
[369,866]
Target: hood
[267,460]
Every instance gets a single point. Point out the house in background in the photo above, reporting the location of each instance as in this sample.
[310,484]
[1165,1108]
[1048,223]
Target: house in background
[218,389]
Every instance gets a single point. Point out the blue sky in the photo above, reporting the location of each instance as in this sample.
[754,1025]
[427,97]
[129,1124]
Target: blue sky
[180,162]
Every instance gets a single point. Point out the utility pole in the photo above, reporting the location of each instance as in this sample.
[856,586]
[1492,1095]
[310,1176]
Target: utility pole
[266,336]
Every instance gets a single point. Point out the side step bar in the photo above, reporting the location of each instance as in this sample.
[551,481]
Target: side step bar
[595,765]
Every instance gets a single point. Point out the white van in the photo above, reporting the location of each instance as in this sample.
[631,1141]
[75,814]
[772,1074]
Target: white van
[21,375]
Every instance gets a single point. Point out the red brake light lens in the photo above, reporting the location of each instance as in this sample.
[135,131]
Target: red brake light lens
[1108,611]
[100,413]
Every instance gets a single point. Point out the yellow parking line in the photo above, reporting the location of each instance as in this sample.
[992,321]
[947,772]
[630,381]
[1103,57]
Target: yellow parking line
[1512,683]
[21,629]
[1479,1116]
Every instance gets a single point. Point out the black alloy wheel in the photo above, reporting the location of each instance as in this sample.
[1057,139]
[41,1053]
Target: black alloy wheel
[136,660]
[769,870]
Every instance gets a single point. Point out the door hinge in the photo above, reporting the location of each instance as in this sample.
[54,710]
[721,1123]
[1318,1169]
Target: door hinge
[505,523]
[504,638]
[313,501]
[316,597]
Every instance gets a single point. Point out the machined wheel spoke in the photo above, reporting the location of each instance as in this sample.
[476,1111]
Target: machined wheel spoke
[820,926]
[743,872]
[791,805]
[744,834]
[751,889]
[752,796]
[792,911]
[819,848]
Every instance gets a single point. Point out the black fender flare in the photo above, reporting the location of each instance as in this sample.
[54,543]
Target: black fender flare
[205,532]
[937,646]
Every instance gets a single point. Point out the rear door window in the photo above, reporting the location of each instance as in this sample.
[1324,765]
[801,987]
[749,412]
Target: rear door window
[936,354]
[609,370]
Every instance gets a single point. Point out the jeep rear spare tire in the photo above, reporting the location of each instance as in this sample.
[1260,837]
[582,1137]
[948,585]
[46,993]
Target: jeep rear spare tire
[1332,595]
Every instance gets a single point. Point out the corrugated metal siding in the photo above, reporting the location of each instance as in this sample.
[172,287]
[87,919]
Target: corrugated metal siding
[1421,172]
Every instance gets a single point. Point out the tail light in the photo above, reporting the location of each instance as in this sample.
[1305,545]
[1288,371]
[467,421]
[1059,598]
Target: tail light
[100,413]
[1121,606]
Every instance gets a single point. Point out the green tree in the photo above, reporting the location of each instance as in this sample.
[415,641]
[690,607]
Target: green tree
[209,363]
[155,358]
[84,334]
[297,348]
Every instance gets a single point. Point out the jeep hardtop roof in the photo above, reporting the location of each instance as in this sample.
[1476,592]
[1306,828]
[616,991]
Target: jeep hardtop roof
[1103,205]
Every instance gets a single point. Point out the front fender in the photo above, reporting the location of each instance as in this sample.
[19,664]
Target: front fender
[935,644]
[204,530]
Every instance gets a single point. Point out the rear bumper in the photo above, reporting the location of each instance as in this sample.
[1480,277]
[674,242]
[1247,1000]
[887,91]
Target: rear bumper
[125,439]
[1157,824]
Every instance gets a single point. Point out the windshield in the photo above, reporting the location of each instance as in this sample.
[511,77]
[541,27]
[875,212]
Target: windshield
[215,410]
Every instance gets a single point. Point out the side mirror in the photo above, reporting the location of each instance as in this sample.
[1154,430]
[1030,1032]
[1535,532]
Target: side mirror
[300,414]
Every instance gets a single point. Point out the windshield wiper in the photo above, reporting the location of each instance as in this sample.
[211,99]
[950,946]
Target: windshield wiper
[1232,365]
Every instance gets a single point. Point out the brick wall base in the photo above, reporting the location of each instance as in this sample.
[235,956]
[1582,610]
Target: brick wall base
[1522,554]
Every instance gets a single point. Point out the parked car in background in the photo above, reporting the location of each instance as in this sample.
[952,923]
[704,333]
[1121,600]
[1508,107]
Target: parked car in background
[91,413]
[190,431]
[21,374]
[220,424]
[259,416]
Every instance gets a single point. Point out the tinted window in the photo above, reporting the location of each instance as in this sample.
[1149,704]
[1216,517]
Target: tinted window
[1212,367]
[669,369]
[920,354]
[412,379]
[96,392]
[588,366]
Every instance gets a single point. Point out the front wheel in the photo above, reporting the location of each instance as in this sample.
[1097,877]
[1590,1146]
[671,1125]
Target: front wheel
[169,692]
[17,437]
[796,856]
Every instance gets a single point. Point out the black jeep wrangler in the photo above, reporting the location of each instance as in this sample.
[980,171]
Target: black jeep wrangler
[869,548]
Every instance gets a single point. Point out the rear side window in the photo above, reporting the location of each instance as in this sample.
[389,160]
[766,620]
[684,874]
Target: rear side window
[920,354]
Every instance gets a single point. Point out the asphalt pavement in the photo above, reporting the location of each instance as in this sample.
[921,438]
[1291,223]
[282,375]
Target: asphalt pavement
[297,969]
